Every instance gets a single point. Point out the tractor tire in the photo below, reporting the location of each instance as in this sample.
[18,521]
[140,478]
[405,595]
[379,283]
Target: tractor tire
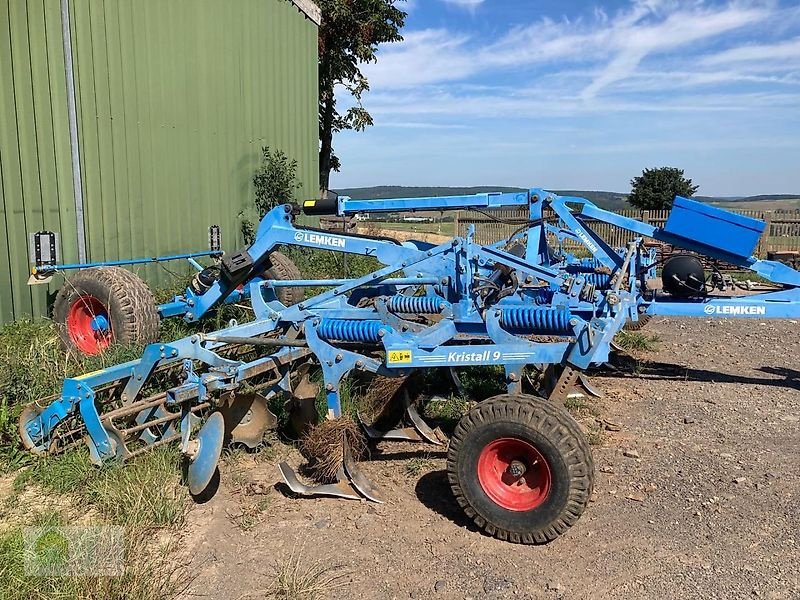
[520,468]
[637,325]
[103,306]
[283,268]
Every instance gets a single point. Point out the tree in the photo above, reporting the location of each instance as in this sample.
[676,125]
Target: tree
[656,188]
[349,36]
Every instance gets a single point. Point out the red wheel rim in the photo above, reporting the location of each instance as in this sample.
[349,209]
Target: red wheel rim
[88,325]
[514,474]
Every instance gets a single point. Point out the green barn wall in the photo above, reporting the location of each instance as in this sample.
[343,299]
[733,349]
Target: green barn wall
[174,99]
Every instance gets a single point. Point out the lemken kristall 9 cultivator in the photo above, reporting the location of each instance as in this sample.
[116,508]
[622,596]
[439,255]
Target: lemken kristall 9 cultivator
[518,464]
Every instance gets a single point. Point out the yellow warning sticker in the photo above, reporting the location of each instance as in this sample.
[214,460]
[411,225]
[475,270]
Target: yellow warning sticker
[397,357]
[309,203]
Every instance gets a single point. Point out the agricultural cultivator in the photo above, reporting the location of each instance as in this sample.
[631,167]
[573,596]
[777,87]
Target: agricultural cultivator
[518,464]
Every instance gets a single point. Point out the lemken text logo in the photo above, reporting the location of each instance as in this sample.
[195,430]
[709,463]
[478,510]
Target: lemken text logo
[733,310]
[585,238]
[319,239]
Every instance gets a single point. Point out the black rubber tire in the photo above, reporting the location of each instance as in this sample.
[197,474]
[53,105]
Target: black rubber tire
[557,437]
[283,269]
[131,308]
[637,325]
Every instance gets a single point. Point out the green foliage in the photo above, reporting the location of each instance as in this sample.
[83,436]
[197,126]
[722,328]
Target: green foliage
[481,383]
[655,189]
[149,574]
[143,497]
[636,340]
[275,182]
[349,36]
[142,493]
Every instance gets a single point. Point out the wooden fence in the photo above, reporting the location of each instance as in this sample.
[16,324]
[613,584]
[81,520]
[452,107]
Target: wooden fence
[782,233]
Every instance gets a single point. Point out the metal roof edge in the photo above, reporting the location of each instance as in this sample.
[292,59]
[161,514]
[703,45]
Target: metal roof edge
[309,9]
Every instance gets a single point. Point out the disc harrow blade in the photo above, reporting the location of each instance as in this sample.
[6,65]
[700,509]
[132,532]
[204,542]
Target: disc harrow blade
[247,419]
[204,453]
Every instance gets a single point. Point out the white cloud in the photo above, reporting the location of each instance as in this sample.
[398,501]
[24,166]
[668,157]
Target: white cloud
[785,50]
[465,3]
[615,45]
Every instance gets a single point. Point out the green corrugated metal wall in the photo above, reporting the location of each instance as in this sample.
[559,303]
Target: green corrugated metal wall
[175,99]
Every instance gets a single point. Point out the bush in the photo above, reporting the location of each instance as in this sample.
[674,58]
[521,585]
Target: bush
[275,182]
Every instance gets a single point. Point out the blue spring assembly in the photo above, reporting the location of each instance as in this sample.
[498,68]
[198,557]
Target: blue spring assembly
[415,305]
[600,281]
[586,265]
[542,295]
[350,330]
[540,320]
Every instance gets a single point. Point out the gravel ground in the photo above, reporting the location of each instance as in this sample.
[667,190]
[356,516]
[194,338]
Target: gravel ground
[696,497]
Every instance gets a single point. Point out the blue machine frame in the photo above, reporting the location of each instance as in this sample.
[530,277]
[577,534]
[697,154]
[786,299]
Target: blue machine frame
[514,303]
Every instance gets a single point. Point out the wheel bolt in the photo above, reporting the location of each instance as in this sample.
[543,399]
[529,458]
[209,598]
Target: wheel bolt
[517,468]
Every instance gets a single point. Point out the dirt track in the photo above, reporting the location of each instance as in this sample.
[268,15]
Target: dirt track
[709,510]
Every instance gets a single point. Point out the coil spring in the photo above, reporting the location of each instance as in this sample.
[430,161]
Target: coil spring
[415,305]
[536,320]
[543,295]
[350,330]
[585,265]
[601,281]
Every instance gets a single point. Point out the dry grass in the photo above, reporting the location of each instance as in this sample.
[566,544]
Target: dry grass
[382,392]
[296,579]
[322,446]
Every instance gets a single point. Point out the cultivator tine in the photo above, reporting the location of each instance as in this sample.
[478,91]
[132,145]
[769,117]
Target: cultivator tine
[340,489]
[614,346]
[421,427]
[457,384]
[418,432]
[587,386]
[302,405]
[351,483]
[357,479]
[561,388]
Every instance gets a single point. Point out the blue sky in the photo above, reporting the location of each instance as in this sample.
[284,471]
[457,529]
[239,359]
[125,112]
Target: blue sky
[584,95]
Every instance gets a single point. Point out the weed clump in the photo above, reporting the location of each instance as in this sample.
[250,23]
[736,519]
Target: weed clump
[637,341]
[323,446]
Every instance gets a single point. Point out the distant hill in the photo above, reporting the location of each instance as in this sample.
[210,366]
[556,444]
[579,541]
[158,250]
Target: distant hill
[759,198]
[607,200]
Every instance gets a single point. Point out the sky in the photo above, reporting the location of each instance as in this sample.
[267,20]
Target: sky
[568,94]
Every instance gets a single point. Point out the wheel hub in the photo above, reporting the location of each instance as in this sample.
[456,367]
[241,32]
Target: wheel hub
[514,474]
[88,325]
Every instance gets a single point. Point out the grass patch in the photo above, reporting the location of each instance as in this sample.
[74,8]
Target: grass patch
[636,340]
[595,434]
[445,413]
[480,383]
[149,574]
[143,493]
[420,464]
[297,578]
[143,497]
[250,514]
[580,406]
